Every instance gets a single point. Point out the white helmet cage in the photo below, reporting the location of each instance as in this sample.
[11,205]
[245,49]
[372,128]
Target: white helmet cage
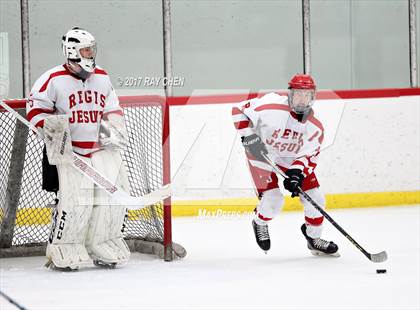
[75,40]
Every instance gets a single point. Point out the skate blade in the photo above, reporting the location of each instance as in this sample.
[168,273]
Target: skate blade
[50,265]
[101,264]
[319,253]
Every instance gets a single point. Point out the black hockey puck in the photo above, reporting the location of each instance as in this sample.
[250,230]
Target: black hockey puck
[380,270]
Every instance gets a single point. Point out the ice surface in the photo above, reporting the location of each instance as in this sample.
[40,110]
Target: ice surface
[225,269]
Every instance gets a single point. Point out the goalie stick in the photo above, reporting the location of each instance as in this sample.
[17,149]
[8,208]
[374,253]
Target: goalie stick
[118,195]
[376,258]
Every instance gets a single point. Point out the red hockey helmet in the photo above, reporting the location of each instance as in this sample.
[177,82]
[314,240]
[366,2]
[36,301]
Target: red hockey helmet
[302,81]
[301,94]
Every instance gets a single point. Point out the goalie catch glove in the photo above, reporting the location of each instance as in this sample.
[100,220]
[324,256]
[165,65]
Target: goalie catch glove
[254,146]
[112,133]
[294,180]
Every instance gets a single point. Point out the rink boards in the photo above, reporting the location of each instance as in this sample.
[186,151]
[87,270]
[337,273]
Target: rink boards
[370,156]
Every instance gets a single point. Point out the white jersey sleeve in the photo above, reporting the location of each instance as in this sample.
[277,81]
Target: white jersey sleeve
[243,122]
[112,104]
[41,101]
[245,114]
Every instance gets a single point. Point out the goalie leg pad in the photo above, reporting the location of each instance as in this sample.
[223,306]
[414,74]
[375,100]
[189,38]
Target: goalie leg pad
[100,244]
[105,235]
[313,217]
[63,256]
[70,219]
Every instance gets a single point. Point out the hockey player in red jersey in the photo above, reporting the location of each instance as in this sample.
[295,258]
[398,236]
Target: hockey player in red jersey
[77,98]
[286,130]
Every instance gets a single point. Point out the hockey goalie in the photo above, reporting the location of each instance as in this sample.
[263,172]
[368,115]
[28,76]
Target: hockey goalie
[77,110]
[286,130]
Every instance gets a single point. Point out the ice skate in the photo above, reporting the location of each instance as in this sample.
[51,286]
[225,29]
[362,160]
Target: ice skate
[262,236]
[319,246]
[102,264]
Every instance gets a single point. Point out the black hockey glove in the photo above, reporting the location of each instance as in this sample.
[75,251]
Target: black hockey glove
[294,180]
[254,146]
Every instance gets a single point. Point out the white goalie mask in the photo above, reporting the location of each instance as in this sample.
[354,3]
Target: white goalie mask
[79,47]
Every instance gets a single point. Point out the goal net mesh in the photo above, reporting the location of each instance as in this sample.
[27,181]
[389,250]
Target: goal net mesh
[143,158]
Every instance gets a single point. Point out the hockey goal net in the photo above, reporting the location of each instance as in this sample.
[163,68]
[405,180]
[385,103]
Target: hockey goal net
[25,222]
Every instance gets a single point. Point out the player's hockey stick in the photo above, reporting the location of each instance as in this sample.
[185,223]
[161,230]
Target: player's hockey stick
[376,258]
[12,301]
[118,195]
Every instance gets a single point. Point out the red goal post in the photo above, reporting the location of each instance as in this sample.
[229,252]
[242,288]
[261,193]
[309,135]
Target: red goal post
[25,209]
